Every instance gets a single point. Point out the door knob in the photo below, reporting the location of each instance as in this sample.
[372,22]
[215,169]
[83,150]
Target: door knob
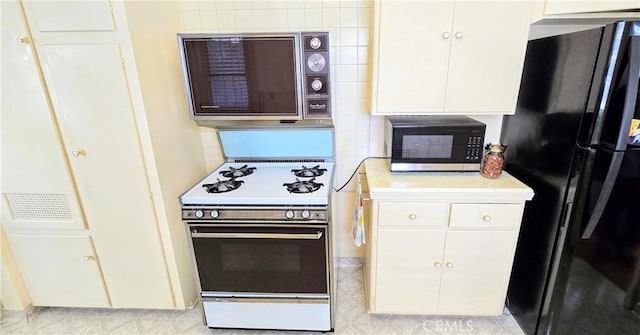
[486,218]
[446,35]
[78,153]
[449,265]
[412,216]
[437,265]
[459,35]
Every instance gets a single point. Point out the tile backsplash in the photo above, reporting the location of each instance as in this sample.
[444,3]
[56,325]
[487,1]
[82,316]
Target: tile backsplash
[349,24]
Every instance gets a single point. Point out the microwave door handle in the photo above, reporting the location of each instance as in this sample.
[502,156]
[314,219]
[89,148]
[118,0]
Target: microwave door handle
[315,236]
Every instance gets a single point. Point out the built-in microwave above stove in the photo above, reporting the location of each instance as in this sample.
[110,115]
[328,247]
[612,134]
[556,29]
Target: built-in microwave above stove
[273,76]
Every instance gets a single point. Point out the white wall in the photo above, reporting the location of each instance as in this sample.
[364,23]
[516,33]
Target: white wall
[349,22]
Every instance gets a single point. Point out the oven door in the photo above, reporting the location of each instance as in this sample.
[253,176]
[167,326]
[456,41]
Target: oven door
[241,261]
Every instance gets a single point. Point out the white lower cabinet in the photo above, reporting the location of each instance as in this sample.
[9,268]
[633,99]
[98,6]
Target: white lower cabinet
[445,247]
[408,274]
[60,270]
[475,272]
[442,272]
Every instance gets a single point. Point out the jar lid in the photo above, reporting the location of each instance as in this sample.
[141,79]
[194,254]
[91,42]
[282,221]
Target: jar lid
[496,147]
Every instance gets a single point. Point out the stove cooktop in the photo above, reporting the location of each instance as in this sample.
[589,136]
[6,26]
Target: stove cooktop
[307,183]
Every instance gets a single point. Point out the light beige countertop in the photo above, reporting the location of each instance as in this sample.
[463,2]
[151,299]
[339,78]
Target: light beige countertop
[454,186]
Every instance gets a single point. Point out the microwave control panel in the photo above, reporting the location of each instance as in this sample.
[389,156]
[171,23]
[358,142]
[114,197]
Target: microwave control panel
[316,81]
[474,148]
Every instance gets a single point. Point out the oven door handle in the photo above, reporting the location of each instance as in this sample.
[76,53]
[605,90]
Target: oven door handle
[315,236]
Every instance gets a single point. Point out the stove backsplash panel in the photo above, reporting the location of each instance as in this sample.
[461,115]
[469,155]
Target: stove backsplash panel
[314,143]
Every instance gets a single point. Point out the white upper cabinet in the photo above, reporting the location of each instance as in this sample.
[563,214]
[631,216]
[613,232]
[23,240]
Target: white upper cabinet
[92,15]
[587,6]
[413,54]
[448,56]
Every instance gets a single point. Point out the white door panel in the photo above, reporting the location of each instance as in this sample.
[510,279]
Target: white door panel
[91,97]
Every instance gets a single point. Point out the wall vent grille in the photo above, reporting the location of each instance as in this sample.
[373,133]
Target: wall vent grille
[39,207]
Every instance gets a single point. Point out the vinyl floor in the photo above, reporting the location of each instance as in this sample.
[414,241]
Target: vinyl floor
[351,318]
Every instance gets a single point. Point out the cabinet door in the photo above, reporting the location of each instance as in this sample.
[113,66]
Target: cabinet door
[412,56]
[408,271]
[487,53]
[91,98]
[68,16]
[476,272]
[35,179]
[60,270]
[586,6]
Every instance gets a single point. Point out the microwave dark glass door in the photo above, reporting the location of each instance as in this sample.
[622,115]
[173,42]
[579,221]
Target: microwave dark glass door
[261,260]
[250,76]
[432,145]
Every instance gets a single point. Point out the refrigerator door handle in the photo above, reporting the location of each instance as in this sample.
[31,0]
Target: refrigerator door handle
[631,94]
[605,193]
[560,243]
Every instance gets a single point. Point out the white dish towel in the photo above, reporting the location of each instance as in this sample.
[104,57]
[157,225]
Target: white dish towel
[357,229]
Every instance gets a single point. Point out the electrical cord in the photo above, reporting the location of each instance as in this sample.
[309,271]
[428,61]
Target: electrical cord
[356,170]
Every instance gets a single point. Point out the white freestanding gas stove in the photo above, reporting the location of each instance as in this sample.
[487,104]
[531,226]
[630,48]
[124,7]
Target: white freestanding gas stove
[259,227]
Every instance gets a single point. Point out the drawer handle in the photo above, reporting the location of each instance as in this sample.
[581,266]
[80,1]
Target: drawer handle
[412,216]
[486,218]
[437,265]
[449,265]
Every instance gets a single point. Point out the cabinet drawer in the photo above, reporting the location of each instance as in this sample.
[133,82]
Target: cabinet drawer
[411,214]
[486,215]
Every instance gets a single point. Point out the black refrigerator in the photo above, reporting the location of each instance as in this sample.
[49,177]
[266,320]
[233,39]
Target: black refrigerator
[577,263]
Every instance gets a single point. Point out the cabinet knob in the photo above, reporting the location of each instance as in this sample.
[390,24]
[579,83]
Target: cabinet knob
[88,258]
[446,35]
[486,218]
[78,153]
[459,35]
[437,265]
[412,216]
[20,40]
[449,265]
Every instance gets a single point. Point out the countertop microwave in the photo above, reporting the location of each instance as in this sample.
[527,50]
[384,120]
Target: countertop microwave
[433,143]
[270,76]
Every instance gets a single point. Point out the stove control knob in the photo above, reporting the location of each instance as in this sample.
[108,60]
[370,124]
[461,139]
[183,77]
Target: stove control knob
[199,213]
[305,214]
[288,214]
[315,43]
[316,85]
[214,213]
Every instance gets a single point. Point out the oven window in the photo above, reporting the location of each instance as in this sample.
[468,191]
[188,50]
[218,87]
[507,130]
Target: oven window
[259,257]
[261,260]
[427,146]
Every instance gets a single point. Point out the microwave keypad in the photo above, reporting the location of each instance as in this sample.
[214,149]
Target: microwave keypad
[474,148]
